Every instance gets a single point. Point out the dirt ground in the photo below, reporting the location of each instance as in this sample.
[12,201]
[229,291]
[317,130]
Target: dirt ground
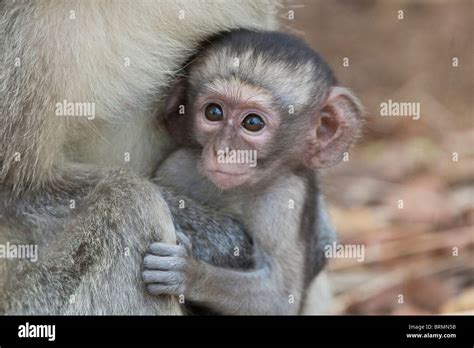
[406,194]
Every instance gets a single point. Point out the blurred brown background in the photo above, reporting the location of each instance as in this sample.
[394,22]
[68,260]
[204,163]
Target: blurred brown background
[424,251]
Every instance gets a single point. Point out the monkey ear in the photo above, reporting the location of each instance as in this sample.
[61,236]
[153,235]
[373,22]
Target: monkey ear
[172,118]
[176,97]
[338,124]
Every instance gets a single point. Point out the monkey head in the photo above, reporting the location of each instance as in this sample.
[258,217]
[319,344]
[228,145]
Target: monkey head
[259,104]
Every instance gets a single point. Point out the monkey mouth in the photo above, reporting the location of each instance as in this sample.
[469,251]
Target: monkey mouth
[227,180]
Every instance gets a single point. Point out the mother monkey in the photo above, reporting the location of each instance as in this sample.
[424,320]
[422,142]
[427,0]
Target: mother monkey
[79,84]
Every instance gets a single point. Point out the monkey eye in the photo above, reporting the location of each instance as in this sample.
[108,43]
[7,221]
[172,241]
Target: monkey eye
[253,123]
[214,112]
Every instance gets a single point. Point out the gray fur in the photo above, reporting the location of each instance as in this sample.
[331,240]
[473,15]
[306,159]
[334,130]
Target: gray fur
[84,266]
[280,71]
[279,247]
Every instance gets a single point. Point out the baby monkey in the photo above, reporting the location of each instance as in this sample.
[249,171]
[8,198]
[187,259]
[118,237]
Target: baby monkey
[257,114]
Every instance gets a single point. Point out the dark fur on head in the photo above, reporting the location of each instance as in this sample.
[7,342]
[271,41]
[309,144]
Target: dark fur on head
[302,87]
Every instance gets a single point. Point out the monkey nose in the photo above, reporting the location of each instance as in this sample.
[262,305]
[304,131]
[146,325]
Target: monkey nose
[220,150]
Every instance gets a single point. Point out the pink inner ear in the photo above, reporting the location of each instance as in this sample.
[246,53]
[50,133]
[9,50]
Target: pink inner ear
[339,122]
[328,127]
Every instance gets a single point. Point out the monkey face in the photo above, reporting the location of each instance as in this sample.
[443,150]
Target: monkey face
[278,110]
[235,126]
[245,141]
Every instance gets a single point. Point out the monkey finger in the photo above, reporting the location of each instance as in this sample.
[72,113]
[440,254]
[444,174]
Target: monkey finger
[167,278]
[163,249]
[164,263]
[184,241]
[158,289]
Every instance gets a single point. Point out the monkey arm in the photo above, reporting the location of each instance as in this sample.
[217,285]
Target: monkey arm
[225,291]
[317,228]
[323,234]
[258,291]
[217,238]
[170,269]
[93,265]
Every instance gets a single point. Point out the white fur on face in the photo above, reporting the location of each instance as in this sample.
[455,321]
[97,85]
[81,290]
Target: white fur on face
[294,83]
[241,92]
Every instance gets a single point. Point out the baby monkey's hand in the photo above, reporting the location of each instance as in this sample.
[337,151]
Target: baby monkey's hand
[169,269]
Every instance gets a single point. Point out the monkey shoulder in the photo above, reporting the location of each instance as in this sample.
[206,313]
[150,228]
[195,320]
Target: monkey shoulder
[178,169]
[181,160]
[179,172]
[291,187]
[277,209]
